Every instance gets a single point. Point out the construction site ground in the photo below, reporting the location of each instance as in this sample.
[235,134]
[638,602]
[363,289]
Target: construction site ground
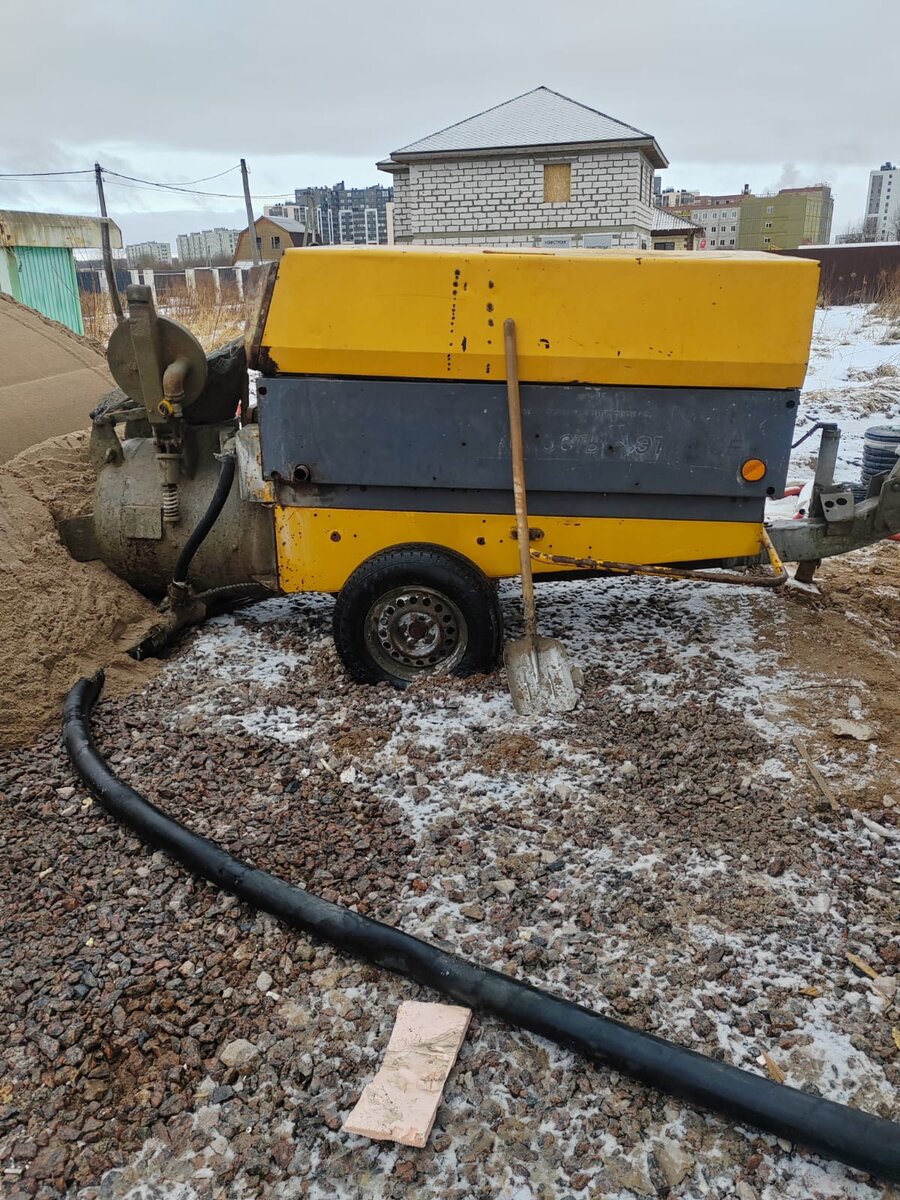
[662,854]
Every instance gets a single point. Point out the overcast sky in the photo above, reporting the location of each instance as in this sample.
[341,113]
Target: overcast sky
[770,93]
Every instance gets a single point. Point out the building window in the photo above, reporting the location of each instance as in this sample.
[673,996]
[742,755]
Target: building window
[770,208]
[734,228]
[768,224]
[767,240]
[557,183]
[597,241]
[731,242]
[259,243]
[276,242]
[663,245]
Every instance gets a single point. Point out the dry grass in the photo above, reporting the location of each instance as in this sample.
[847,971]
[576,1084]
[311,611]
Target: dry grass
[212,319]
[887,300]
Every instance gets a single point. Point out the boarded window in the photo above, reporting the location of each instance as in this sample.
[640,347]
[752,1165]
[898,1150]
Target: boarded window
[557,183]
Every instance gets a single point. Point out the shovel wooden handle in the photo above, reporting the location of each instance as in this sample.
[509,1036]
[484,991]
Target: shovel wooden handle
[518,472]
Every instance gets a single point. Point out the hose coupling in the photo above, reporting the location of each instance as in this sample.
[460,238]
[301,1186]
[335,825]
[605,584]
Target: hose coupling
[179,595]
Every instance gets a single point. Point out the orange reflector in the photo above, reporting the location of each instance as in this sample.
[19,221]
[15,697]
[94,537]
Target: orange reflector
[753,469]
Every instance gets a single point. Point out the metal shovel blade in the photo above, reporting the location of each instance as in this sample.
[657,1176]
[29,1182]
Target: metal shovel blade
[539,676]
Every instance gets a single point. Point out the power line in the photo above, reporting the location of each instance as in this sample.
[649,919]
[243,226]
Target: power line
[178,188]
[141,184]
[44,174]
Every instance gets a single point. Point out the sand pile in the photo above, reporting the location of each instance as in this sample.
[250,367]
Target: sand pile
[59,619]
[49,381]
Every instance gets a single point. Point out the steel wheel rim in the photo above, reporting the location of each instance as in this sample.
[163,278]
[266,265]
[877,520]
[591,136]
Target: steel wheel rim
[413,631]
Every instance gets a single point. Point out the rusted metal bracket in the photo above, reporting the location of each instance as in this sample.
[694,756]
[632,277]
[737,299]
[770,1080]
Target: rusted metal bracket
[777,579]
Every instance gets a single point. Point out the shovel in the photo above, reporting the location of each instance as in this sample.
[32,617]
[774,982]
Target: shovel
[537,668]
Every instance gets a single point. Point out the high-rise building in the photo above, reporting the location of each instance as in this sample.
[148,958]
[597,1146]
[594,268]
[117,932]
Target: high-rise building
[288,209]
[672,197]
[148,254]
[789,218]
[208,246]
[792,217]
[882,223]
[343,215]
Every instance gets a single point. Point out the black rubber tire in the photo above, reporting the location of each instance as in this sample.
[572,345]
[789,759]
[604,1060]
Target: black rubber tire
[426,566]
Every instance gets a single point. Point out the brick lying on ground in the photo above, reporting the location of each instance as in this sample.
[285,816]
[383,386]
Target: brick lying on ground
[401,1102]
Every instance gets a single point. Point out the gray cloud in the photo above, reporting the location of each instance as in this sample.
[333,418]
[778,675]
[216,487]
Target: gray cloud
[179,86]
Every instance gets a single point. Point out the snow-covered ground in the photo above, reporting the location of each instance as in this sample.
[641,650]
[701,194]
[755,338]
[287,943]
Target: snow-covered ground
[853,378]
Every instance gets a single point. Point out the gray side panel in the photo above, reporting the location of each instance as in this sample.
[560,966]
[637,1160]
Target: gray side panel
[655,442]
[547,504]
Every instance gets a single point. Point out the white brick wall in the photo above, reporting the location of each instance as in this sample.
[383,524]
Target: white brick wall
[500,201]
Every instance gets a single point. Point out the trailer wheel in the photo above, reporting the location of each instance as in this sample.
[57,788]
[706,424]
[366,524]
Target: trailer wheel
[416,610]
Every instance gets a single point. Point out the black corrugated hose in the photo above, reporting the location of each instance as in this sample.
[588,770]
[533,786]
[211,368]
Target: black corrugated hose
[833,1130]
[209,518]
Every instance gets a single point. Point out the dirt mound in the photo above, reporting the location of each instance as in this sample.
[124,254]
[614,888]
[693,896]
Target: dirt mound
[845,648]
[50,379]
[60,619]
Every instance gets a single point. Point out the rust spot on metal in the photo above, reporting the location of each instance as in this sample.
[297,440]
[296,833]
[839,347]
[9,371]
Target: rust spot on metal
[265,362]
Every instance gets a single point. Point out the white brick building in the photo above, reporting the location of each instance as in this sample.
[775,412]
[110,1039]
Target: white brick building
[540,169]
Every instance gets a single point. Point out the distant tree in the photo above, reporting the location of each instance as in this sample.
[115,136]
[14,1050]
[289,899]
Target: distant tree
[858,231]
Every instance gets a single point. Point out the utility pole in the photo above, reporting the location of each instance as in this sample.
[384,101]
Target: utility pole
[251,224]
[108,269]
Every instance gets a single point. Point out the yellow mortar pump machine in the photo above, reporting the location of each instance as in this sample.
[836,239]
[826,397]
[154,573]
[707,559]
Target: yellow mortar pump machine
[659,393]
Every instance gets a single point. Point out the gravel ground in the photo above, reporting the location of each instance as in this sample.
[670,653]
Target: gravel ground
[657,854]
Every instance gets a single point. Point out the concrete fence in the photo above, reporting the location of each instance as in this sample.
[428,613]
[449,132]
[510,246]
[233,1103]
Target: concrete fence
[92,281]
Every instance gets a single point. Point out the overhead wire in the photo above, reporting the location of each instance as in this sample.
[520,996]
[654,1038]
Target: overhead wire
[43,174]
[134,181]
[171,187]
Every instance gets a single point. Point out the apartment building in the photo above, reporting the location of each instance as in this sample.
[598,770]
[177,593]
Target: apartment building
[672,197]
[882,223]
[343,216]
[719,219]
[790,218]
[148,254]
[287,209]
[207,246]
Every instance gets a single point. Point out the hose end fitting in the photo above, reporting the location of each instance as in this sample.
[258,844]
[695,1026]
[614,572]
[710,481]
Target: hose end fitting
[179,595]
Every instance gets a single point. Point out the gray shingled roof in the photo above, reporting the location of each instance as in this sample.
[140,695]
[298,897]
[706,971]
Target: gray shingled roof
[669,222]
[538,118]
